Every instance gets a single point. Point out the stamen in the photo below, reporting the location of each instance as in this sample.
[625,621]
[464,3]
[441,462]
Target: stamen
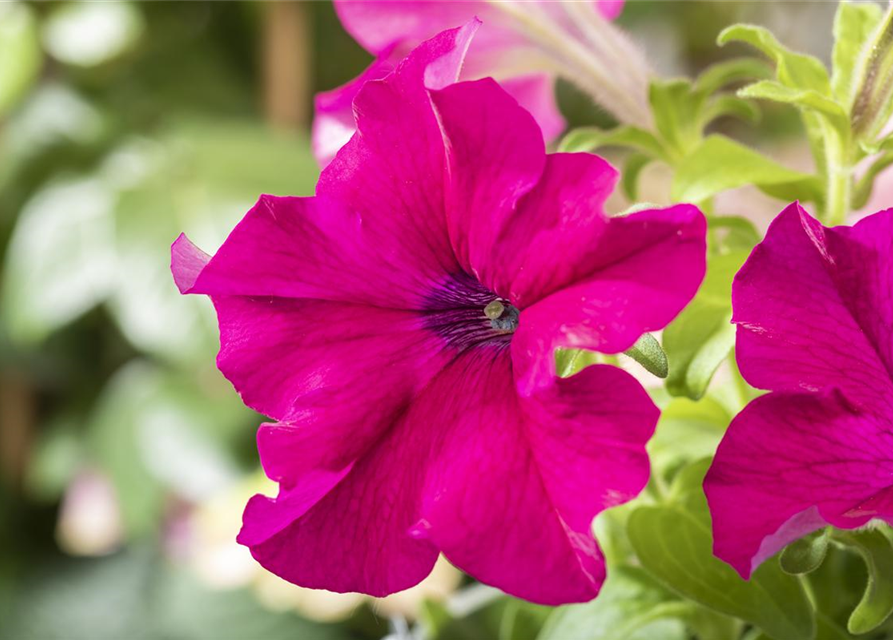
[494,310]
[503,316]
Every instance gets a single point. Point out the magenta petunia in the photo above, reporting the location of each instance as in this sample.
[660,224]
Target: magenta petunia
[524,45]
[814,313]
[399,328]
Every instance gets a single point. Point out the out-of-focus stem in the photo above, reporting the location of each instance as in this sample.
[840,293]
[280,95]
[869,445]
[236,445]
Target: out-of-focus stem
[286,64]
[16,427]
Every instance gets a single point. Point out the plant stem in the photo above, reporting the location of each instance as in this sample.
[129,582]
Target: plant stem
[838,177]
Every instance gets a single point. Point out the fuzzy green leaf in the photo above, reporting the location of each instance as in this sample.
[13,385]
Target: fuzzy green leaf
[854,25]
[719,164]
[722,74]
[591,138]
[793,69]
[802,98]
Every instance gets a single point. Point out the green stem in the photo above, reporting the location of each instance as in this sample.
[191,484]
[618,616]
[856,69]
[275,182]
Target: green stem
[838,194]
[838,176]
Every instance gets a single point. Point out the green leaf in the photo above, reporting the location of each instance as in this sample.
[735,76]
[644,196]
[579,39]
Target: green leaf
[630,606]
[854,24]
[793,69]
[20,56]
[591,138]
[738,233]
[674,544]
[806,554]
[687,431]
[802,98]
[726,105]
[700,338]
[876,548]
[632,168]
[863,189]
[677,113]
[154,432]
[571,361]
[722,74]
[61,259]
[720,164]
[647,352]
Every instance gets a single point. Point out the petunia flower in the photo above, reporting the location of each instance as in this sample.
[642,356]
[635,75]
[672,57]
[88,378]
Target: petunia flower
[399,328]
[814,313]
[523,44]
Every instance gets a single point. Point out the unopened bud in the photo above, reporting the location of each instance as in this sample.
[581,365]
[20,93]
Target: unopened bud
[873,103]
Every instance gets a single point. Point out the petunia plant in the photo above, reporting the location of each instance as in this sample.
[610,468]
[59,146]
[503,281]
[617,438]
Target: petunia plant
[469,346]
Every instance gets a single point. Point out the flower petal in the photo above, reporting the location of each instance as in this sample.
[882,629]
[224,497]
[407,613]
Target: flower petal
[646,267]
[308,248]
[790,463]
[496,154]
[378,24]
[516,484]
[335,375]
[355,537]
[536,94]
[551,239]
[390,175]
[794,302]
[333,121]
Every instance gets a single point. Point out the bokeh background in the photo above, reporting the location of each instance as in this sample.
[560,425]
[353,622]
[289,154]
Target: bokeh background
[125,458]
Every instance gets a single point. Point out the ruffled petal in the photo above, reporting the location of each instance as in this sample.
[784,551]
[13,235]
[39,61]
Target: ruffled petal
[308,248]
[496,154]
[646,267]
[863,274]
[355,537]
[515,485]
[552,239]
[390,175]
[791,463]
[536,94]
[810,306]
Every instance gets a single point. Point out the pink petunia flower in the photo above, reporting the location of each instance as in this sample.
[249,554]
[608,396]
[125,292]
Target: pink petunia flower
[524,45]
[815,326]
[399,327]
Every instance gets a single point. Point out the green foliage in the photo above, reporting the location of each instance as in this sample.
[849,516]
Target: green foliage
[20,55]
[719,164]
[806,554]
[647,352]
[138,595]
[854,24]
[700,338]
[673,542]
[631,606]
[876,548]
[795,70]
[156,432]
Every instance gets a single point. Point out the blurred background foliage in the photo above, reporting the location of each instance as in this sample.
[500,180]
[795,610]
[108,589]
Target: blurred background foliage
[125,458]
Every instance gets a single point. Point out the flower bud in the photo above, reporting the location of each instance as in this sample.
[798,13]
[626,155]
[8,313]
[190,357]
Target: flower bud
[874,93]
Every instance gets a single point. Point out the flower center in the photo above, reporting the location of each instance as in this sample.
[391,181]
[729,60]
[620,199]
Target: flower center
[466,314]
[503,316]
